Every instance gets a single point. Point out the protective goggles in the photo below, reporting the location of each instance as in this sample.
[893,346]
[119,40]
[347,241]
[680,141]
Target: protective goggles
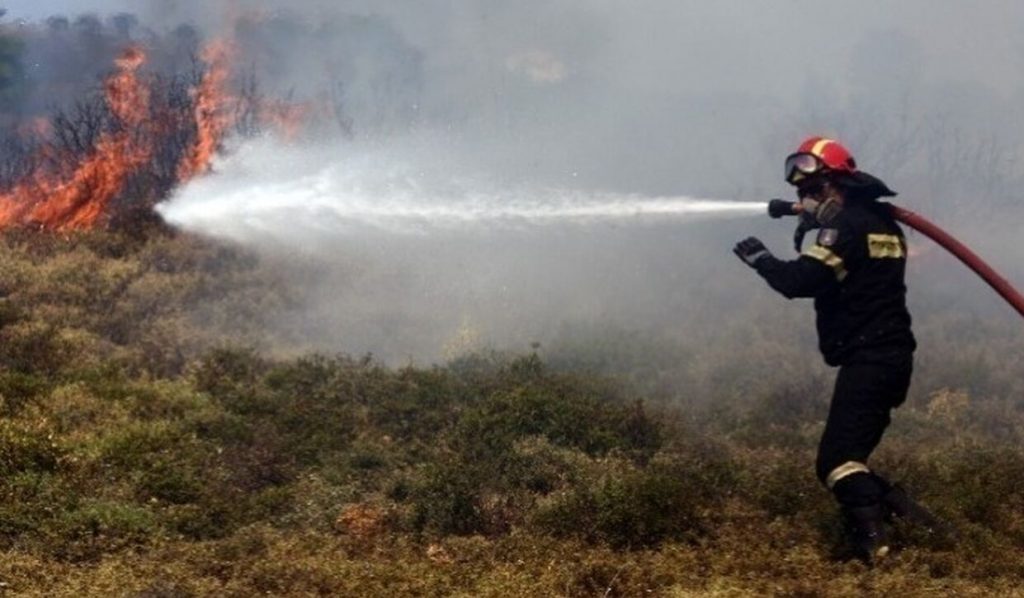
[802,165]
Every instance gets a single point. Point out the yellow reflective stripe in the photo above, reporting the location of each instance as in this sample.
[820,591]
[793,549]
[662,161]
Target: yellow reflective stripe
[885,246]
[825,256]
[819,147]
[846,469]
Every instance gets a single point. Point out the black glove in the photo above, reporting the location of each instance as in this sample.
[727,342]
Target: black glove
[750,250]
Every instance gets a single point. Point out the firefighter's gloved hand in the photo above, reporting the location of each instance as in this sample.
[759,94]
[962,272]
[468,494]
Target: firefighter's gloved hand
[750,250]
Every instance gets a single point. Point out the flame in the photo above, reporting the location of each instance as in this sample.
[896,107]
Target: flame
[75,192]
[79,199]
[212,111]
[216,110]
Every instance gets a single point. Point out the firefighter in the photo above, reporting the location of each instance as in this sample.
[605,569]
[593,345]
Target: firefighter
[855,273]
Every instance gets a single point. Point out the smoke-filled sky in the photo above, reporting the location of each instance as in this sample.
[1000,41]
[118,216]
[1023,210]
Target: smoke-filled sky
[654,97]
[659,96]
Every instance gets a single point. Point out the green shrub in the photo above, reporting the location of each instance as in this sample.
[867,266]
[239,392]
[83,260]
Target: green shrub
[411,406]
[985,484]
[19,388]
[447,500]
[626,507]
[26,448]
[32,347]
[566,411]
[171,482]
[111,522]
[231,375]
[31,499]
[540,468]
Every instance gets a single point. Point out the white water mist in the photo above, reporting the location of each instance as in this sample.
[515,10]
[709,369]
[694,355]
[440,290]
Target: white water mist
[293,196]
[410,253]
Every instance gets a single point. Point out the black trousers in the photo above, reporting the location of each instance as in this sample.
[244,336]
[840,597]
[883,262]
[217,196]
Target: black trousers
[866,390]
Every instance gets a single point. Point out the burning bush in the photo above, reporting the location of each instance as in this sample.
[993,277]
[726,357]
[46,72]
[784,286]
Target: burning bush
[109,155]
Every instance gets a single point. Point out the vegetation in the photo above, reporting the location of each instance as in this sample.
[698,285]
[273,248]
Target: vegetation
[152,445]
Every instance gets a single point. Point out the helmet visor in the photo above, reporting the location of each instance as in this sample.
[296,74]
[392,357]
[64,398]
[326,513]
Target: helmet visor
[802,165]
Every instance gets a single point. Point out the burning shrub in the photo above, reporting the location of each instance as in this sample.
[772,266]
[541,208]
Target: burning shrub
[107,158]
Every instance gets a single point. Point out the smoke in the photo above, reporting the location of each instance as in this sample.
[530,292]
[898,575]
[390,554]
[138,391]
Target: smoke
[662,98]
[551,106]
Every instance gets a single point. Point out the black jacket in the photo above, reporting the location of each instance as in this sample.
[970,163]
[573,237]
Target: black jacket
[855,272]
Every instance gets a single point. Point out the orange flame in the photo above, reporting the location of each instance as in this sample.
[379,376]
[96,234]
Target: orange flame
[75,194]
[79,199]
[212,111]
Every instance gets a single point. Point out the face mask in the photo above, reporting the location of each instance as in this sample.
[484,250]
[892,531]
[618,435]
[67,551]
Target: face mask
[828,211]
[810,206]
[822,207]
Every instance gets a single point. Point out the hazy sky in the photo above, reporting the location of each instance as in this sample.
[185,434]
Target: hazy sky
[649,94]
[733,44]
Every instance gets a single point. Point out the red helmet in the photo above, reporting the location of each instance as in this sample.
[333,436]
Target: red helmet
[818,155]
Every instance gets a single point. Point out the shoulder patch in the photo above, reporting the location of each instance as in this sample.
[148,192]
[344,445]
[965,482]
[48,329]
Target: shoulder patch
[886,246]
[827,237]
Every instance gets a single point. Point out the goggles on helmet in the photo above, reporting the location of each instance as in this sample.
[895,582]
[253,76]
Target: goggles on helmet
[801,165]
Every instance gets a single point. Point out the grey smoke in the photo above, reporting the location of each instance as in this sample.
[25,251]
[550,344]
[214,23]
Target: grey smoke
[659,97]
[656,98]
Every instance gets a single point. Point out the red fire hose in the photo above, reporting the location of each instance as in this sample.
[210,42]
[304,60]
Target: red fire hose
[965,255]
[777,208]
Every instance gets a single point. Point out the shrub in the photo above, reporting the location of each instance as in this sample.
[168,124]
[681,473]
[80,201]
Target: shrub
[447,500]
[19,388]
[96,527]
[626,507]
[26,448]
[231,375]
[563,409]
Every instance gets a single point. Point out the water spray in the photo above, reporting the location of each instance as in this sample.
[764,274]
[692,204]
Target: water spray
[262,191]
[777,208]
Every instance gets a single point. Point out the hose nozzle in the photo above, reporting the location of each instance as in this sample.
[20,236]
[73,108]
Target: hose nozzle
[777,208]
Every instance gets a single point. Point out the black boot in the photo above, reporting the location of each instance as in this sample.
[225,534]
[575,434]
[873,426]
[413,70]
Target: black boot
[899,504]
[867,532]
[902,508]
